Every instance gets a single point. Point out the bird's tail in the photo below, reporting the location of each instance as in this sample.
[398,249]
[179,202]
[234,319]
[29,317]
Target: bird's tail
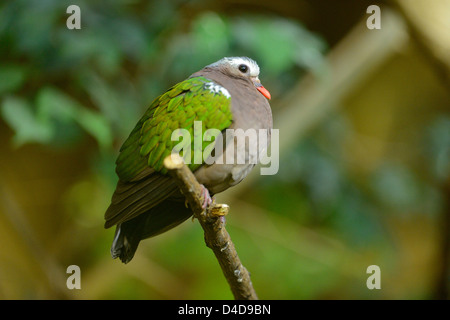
[124,246]
[157,220]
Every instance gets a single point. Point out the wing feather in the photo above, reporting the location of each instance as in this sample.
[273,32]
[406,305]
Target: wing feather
[143,181]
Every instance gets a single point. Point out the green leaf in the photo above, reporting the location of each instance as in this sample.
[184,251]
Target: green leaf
[210,35]
[96,125]
[54,105]
[20,117]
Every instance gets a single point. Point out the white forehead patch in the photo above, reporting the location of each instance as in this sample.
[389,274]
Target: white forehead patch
[216,89]
[235,62]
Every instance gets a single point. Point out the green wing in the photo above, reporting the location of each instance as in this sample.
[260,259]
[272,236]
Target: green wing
[143,182]
[150,141]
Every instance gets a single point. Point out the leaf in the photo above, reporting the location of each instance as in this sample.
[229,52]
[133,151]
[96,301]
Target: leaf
[96,125]
[54,105]
[210,35]
[20,117]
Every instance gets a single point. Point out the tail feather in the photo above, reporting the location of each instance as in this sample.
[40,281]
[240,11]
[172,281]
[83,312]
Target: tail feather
[124,245]
[157,220]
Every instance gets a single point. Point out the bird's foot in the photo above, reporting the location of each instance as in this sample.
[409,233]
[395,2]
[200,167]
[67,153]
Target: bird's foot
[207,200]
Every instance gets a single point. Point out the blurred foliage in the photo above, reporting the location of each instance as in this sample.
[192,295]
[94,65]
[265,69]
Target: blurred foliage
[97,79]
[80,92]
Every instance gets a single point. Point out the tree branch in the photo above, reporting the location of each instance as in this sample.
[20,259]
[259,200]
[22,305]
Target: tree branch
[213,223]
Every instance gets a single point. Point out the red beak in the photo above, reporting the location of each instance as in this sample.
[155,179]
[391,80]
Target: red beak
[263,90]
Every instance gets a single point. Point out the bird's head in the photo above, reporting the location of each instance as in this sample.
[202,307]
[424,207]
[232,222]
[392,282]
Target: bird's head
[242,67]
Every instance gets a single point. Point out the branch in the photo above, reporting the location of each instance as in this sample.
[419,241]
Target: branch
[213,224]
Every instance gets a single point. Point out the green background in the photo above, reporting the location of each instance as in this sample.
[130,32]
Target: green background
[364,157]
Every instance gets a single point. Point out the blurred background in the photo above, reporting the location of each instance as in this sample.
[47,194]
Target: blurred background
[364,126]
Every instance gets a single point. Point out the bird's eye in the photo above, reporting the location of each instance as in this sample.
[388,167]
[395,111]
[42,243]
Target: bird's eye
[243,68]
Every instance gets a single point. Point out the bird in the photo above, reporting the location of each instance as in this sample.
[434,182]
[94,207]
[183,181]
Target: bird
[226,94]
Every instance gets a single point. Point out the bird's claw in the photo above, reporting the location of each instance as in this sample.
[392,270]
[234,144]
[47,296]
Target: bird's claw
[207,200]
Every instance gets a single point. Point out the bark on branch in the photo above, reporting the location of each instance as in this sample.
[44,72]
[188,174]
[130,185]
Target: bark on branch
[212,221]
